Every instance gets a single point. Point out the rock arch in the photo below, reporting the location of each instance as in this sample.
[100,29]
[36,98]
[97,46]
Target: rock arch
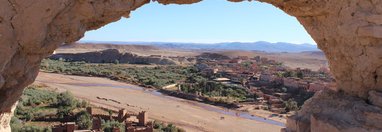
[349,32]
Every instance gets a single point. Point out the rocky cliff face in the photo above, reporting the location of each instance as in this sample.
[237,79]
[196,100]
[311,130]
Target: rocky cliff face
[348,31]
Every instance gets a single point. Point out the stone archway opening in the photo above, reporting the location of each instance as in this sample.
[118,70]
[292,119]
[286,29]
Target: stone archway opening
[349,32]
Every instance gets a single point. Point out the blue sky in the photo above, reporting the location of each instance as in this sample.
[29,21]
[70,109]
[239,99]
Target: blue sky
[209,21]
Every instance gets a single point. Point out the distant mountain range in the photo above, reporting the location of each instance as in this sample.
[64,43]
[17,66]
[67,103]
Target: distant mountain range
[248,46]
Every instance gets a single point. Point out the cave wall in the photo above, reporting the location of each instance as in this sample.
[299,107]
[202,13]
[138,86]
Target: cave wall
[348,31]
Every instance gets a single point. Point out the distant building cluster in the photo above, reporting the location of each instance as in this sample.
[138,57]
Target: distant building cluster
[271,81]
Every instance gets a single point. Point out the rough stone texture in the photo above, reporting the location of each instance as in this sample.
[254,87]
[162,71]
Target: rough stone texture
[352,44]
[329,111]
[5,119]
[375,98]
[2,81]
[348,31]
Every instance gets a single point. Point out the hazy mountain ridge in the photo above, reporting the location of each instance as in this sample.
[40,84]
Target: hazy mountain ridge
[249,46]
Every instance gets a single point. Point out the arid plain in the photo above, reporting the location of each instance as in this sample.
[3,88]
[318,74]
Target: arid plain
[186,114]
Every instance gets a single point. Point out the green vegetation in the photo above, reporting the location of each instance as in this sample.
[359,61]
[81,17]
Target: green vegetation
[157,76]
[291,105]
[84,120]
[161,127]
[108,126]
[288,74]
[36,103]
[36,96]
[18,126]
[66,104]
[196,83]
[39,103]
[300,75]
[215,89]
[188,78]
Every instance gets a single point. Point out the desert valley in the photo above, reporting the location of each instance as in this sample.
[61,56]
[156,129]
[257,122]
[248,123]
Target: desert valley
[190,90]
[190,65]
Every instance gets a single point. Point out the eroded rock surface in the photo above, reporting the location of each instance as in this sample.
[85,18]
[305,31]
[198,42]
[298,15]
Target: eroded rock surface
[329,111]
[5,119]
[348,31]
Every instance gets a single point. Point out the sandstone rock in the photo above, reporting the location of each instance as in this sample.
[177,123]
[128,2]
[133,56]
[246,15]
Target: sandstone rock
[348,31]
[296,124]
[2,81]
[329,111]
[370,31]
[342,31]
[375,98]
[325,124]
[373,119]
[376,19]
[5,119]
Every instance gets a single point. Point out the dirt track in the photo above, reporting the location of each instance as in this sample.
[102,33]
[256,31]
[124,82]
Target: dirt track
[181,112]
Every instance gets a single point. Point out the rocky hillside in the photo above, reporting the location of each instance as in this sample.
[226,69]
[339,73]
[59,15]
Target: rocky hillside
[212,56]
[141,50]
[115,56]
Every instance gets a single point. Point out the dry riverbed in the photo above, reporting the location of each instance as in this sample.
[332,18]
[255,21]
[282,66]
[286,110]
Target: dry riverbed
[190,115]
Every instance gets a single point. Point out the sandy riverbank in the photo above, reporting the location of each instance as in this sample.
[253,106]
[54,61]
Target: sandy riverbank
[181,112]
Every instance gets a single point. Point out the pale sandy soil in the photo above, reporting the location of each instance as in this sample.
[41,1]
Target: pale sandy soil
[186,114]
[309,60]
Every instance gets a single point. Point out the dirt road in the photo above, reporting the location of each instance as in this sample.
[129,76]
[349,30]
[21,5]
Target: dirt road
[189,115]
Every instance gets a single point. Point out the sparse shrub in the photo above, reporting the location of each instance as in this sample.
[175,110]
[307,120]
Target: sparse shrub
[84,120]
[63,111]
[300,75]
[158,125]
[83,104]
[108,126]
[291,105]
[287,74]
[66,104]
[161,127]
[170,128]
[66,99]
